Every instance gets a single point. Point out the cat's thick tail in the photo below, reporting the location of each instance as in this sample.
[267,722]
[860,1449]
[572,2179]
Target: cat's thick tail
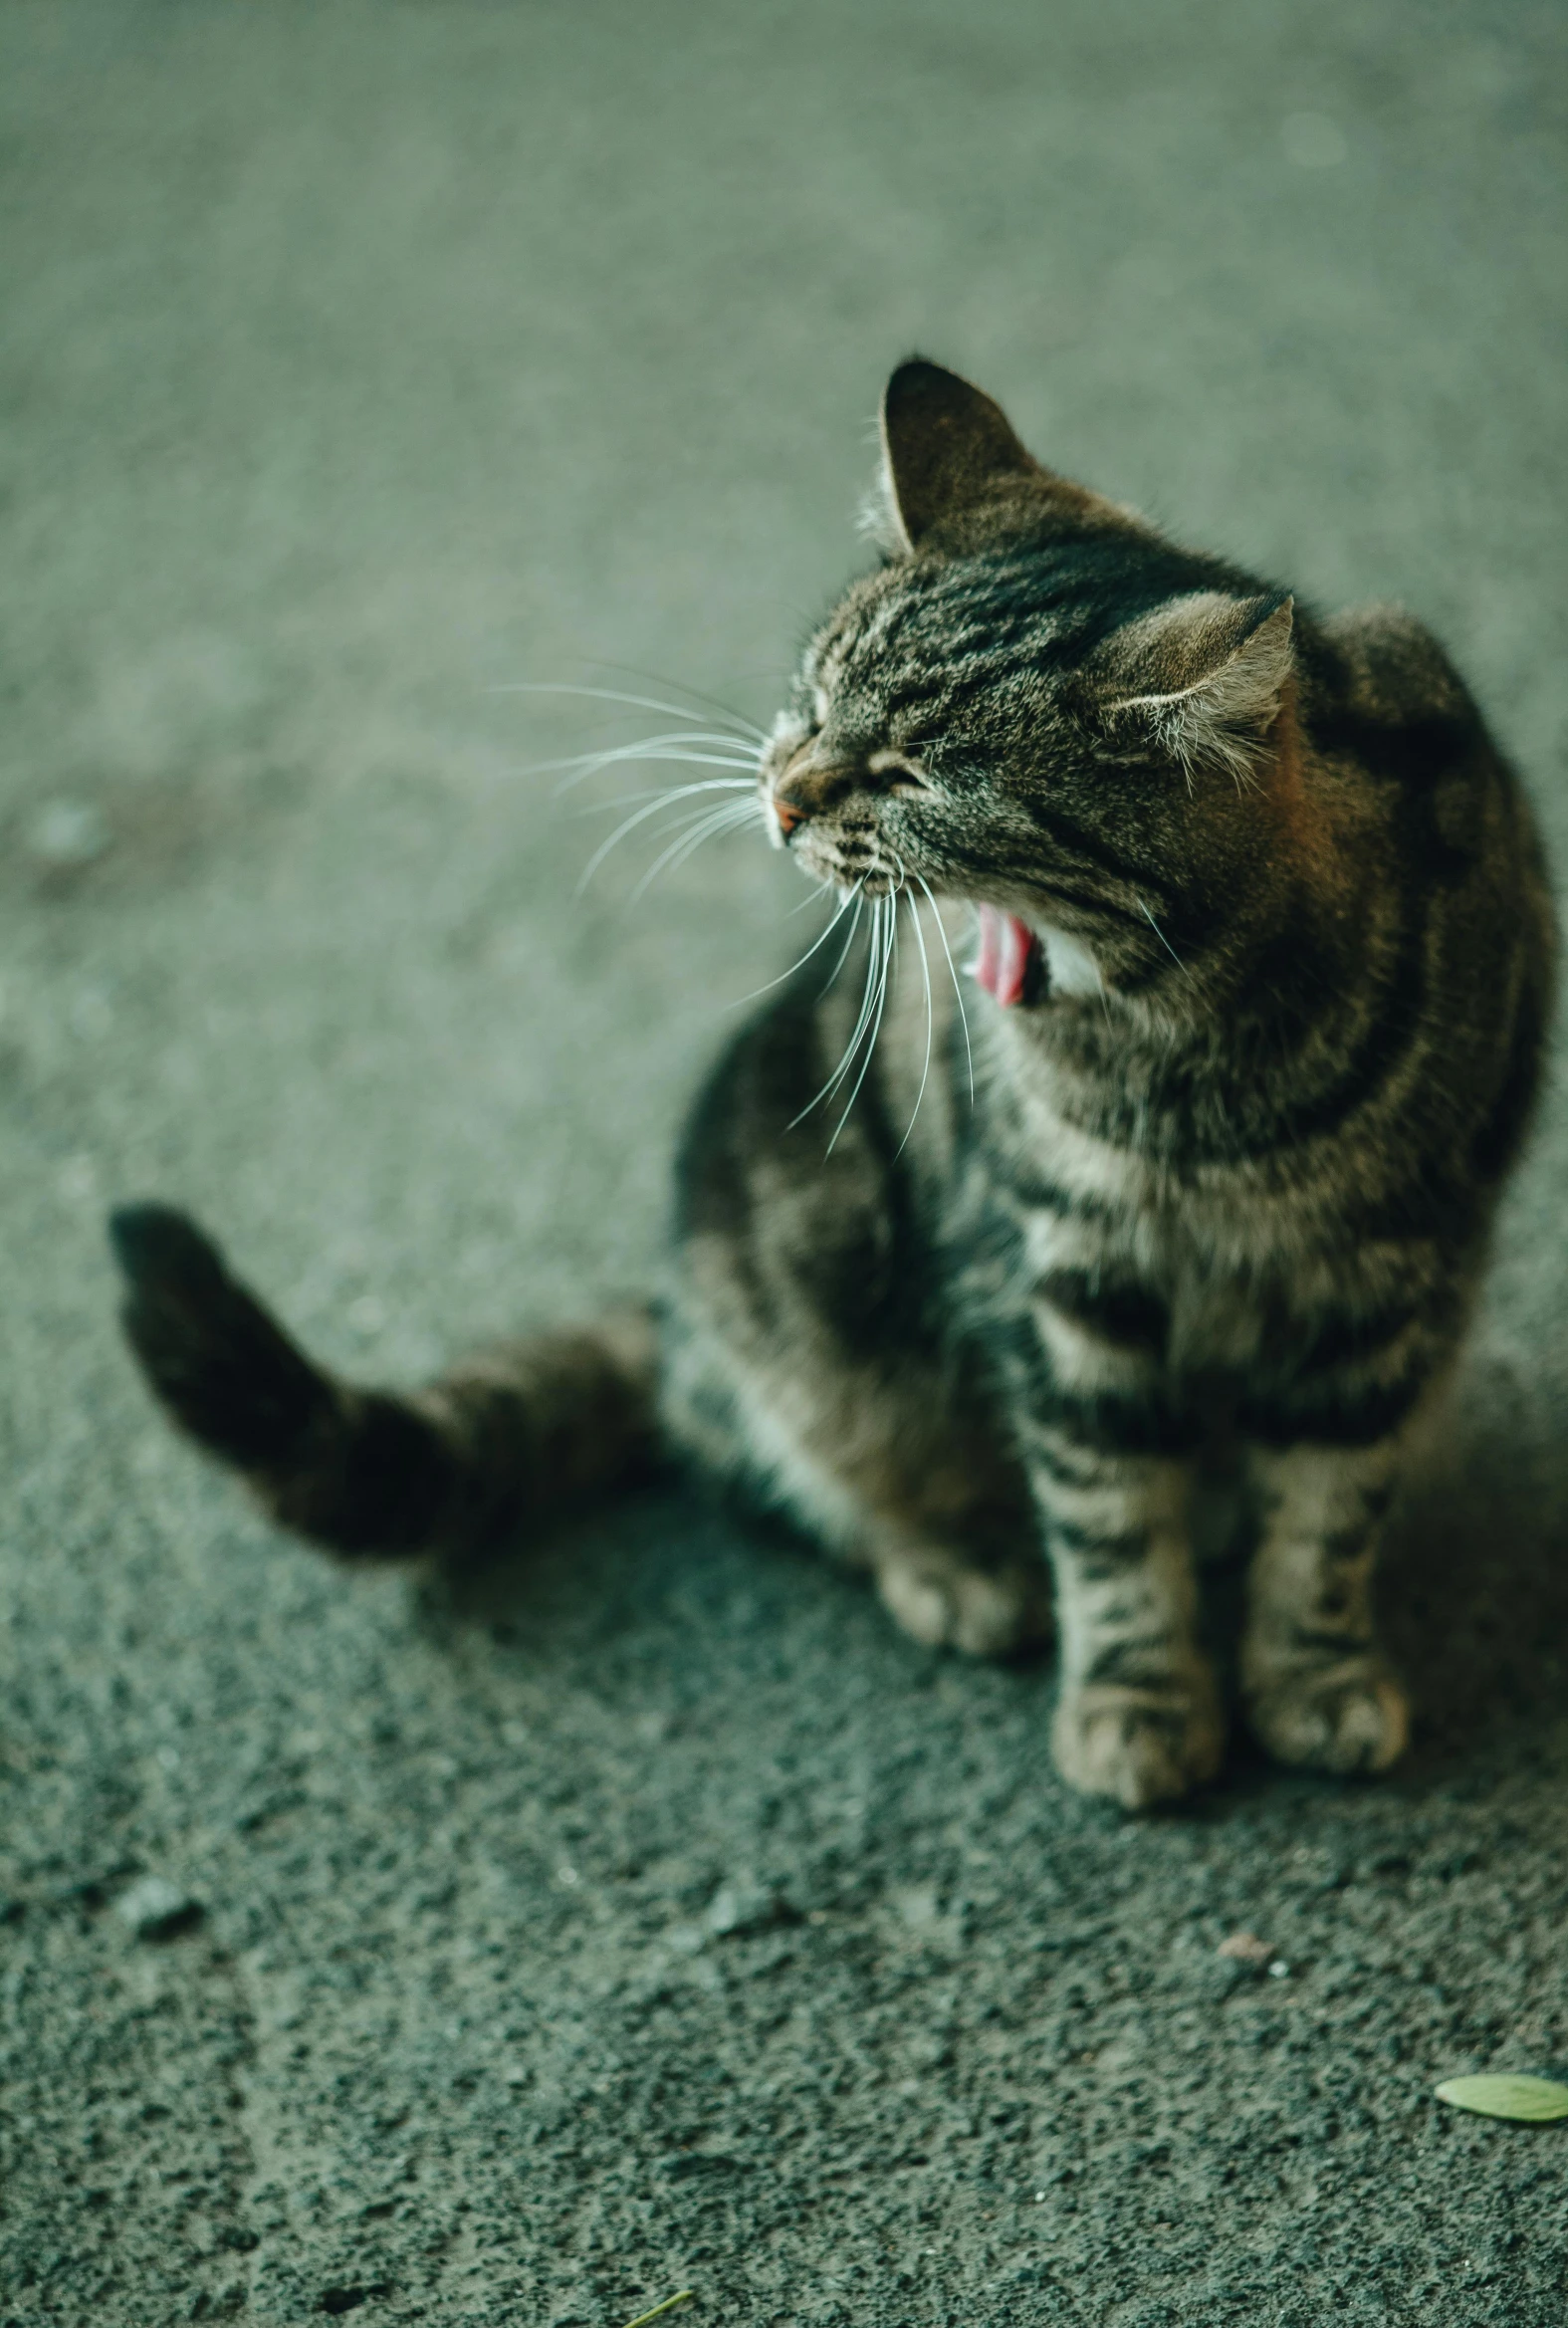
[508,1438]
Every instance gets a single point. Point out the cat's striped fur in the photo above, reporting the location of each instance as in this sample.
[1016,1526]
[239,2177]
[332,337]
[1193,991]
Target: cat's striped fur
[1215,1210]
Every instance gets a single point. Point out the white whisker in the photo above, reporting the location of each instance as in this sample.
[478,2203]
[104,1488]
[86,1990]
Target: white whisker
[635,746]
[628,825]
[812,899]
[1164,940]
[698,694]
[925,971]
[677,711]
[854,924]
[843,906]
[674,792]
[708,826]
[868,999]
[935,913]
[889,945]
[580,772]
[866,1002]
[741,814]
[665,749]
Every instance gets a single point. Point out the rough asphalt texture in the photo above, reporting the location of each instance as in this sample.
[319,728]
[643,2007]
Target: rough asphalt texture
[657,1917]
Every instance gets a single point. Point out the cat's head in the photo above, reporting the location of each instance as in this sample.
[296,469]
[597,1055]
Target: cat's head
[1035,704]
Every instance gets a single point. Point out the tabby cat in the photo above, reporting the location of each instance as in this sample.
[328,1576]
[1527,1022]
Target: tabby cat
[1198,1190]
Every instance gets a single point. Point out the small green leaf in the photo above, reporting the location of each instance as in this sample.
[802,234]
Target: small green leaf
[1532,2100]
[668,2305]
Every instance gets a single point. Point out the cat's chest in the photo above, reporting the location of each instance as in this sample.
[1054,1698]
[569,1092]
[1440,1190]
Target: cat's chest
[1152,1281]
[1190,1283]
[1154,1286]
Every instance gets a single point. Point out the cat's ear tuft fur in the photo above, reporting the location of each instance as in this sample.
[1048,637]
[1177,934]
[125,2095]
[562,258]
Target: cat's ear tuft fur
[1204,675]
[954,476]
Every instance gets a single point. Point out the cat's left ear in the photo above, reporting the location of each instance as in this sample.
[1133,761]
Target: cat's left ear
[956,477]
[1202,676]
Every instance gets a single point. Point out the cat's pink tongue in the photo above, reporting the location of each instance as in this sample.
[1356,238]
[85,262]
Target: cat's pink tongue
[1005,944]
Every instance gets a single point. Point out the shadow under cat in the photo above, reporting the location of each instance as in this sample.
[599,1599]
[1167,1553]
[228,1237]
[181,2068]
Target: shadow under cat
[1474,1585]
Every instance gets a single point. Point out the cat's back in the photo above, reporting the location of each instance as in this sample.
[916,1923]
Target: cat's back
[1393,723]
[1385,707]
[1418,973]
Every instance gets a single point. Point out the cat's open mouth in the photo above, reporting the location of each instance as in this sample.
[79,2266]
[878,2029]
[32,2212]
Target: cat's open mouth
[1009,959]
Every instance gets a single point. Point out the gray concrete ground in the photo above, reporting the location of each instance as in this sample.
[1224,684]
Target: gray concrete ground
[661,1920]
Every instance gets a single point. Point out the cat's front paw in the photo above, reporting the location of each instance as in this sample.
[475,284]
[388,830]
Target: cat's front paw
[1343,1718]
[1139,1746]
[947,1602]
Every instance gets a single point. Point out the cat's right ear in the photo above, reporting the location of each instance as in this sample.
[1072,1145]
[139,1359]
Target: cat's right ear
[954,476]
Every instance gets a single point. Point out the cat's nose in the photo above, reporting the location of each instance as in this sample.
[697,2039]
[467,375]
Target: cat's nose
[807,787]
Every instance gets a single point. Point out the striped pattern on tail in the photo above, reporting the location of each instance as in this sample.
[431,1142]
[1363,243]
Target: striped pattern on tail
[507,1438]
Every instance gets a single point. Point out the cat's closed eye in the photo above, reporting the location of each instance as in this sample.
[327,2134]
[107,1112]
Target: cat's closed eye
[908,776]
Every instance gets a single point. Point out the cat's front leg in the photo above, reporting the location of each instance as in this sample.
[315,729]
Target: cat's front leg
[1319,1692]
[1139,1714]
